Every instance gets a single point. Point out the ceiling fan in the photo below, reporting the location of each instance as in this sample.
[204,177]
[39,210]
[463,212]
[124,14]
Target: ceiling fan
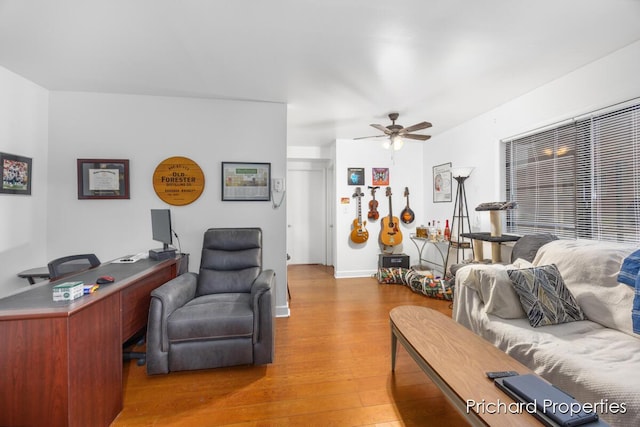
[396,133]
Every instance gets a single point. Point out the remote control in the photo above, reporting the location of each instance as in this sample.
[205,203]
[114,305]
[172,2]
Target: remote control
[501,374]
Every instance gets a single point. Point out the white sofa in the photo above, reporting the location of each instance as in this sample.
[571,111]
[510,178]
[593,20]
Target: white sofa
[595,360]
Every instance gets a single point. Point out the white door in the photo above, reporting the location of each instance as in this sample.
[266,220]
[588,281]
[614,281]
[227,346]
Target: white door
[306,216]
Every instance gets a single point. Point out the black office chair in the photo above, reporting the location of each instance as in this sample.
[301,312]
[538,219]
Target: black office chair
[64,266]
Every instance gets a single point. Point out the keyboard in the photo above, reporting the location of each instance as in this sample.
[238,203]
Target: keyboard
[132,258]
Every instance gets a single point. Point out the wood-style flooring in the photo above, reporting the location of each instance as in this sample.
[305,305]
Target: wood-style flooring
[332,368]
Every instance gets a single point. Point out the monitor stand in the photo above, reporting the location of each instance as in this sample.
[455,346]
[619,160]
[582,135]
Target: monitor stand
[162,253]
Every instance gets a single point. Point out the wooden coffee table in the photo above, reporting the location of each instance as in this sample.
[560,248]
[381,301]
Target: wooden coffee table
[456,360]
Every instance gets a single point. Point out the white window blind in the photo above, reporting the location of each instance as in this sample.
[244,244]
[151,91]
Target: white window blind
[578,180]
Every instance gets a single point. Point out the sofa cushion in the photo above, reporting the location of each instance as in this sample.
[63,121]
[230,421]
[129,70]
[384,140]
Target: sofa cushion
[493,285]
[585,359]
[590,271]
[544,296]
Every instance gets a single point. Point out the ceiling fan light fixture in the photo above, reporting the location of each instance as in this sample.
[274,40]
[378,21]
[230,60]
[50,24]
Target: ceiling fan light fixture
[395,142]
[396,134]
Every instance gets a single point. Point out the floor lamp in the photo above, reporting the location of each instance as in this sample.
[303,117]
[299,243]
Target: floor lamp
[460,213]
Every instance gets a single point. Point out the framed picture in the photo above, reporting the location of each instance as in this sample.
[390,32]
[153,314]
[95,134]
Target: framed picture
[355,176]
[380,176]
[246,181]
[16,174]
[442,183]
[103,179]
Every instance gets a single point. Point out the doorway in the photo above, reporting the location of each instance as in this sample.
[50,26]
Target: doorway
[307,219]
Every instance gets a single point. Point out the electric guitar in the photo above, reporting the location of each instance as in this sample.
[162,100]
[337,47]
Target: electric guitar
[390,234]
[407,214]
[359,234]
[373,205]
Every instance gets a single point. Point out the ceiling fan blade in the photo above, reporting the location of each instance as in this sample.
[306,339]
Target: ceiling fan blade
[368,137]
[415,136]
[382,129]
[418,126]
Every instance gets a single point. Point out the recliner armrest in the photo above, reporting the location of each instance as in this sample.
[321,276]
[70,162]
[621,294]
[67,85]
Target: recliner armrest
[176,292]
[263,283]
[262,303]
[165,300]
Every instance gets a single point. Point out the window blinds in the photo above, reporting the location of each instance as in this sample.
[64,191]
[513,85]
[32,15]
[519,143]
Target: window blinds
[578,180]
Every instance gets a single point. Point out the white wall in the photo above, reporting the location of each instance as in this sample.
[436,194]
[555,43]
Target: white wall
[147,130]
[405,170]
[608,81]
[23,132]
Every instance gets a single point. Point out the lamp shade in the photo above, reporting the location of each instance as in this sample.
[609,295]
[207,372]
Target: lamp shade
[462,172]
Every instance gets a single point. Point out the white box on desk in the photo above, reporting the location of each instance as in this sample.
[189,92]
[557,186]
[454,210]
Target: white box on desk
[68,291]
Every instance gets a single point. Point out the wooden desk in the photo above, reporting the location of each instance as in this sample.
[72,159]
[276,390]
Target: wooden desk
[456,360]
[61,362]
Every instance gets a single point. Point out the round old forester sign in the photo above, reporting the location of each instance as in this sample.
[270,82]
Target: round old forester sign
[178,181]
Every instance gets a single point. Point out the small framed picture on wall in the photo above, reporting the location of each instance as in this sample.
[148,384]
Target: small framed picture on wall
[442,183]
[16,174]
[355,176]
[380,176]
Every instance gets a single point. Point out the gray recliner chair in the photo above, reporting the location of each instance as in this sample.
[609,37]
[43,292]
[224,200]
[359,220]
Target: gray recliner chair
[222,316]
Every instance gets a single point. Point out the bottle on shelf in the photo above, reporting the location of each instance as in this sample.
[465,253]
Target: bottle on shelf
[447,231]
[432,231]
[439,236]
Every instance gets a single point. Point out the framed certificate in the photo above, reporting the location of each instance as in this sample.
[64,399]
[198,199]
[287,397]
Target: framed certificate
[103,179]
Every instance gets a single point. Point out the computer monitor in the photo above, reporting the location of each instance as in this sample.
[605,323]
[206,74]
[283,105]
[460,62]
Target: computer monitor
[161,232]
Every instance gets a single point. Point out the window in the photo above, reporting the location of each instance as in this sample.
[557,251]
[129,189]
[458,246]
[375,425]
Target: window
[580,179]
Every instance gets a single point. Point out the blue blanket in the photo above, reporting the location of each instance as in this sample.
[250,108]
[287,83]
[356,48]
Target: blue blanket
[629,269]
[635,314]
[629,276]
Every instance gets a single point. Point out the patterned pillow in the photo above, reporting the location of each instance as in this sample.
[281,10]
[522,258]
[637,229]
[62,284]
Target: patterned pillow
[544,296]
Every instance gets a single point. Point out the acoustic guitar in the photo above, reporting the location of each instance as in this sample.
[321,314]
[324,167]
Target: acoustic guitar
[390,234]
[359,233]
[373,205]
[407,216]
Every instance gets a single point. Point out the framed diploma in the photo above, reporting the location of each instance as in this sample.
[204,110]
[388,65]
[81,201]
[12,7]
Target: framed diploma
[103,179]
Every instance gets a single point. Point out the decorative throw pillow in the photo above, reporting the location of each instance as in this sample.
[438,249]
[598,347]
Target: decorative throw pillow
[544,296]
[527,246]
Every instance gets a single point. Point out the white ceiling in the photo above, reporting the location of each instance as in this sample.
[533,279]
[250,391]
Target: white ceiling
[338,64]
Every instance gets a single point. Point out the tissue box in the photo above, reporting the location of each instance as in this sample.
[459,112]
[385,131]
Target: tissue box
[68,291]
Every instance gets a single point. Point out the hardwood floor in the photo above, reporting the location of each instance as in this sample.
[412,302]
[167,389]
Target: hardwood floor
[332,368]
